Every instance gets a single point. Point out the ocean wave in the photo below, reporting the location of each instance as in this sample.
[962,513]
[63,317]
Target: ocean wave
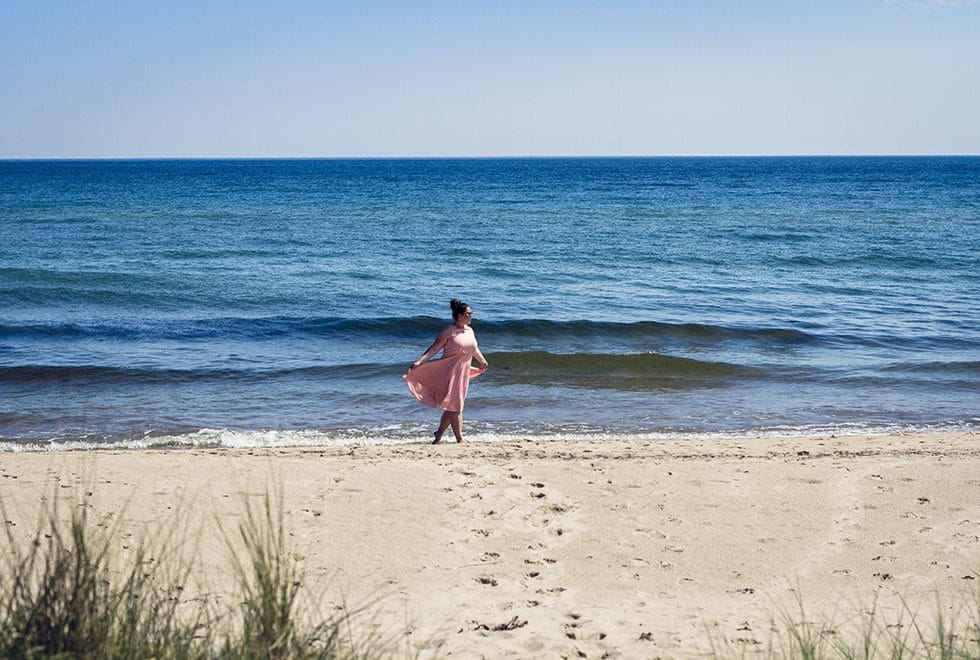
[244,328]
[50,277]
[91,374]
[937,367]
[65,330]
[600,370]
[618,371]
[250,328]
[880,258]
[643,334]
[646,331]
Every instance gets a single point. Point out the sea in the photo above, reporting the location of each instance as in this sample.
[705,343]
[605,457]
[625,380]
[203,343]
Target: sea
[256,303]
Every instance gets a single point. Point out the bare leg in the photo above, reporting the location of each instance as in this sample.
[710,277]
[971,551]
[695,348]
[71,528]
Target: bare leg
[456,419]
[443,425]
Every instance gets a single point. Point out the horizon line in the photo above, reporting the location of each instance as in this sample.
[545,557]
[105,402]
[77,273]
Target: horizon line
[481,157]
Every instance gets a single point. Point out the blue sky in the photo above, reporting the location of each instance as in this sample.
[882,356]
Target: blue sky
[365,78]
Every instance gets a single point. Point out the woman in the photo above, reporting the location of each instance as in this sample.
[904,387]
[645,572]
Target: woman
[443,383]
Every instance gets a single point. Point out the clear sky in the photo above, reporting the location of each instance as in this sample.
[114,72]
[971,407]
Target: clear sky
[200,78]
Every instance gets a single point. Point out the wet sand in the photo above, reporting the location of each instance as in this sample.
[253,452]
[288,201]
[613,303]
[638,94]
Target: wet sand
[626,549]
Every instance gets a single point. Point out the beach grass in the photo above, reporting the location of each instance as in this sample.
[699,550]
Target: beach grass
[274,619]
[949,631]
[70,592]
[65,594]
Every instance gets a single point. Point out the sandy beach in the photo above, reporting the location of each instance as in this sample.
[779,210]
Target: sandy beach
[573,549]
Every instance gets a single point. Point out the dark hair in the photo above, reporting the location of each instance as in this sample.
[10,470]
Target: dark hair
[458,306]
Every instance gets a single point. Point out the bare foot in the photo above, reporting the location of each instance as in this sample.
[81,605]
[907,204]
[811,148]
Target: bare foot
[460,441]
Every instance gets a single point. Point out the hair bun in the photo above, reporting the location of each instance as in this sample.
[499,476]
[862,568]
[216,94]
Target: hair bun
[458,307]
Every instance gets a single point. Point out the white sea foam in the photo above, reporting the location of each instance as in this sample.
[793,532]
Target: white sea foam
[402,435]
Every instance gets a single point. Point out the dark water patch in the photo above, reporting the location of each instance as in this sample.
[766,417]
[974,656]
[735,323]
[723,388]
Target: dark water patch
[837,290]
[703,261]
[893,259]
[776,237]
[244,328]
[907,341]
[95,298]
[107,375]
[938,367]
[914,384]
[70,279]
[667,184]
[642,331]
[873,259]
[418,327]
[362,275]
[59,330]
[615,371]
[545,334]
[806,260]
[208,254]
[11,417]
[501,271]
[619,371]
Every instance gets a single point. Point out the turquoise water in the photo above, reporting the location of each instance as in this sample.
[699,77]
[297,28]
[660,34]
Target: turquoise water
[254,302]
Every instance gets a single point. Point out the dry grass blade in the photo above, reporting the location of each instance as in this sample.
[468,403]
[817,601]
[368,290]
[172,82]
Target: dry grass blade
[513,624]
[64,593]
[950,631]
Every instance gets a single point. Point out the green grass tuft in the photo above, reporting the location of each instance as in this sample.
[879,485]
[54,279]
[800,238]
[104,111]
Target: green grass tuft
[65,594]
[950,631]
[60,597]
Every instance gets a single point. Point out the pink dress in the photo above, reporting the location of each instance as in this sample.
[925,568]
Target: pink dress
[443,383]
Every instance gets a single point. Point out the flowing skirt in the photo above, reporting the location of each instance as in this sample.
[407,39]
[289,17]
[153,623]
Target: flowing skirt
[442,383]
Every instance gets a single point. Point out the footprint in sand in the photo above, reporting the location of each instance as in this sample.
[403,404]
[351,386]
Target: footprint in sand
[573,629]
[553,591]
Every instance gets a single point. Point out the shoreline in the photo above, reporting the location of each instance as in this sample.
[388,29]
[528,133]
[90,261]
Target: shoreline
[631,548]
[259,439]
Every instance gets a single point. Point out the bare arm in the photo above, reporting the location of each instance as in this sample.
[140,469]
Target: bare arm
[437,346]
[482,360]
